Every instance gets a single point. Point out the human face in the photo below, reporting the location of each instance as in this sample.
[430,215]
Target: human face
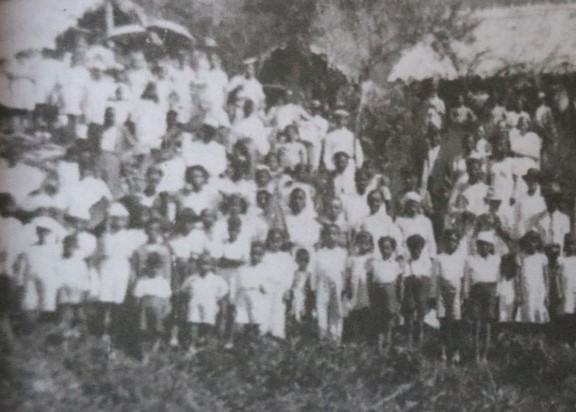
[386,249]
[42,234]
[531,245]
[415,252]
[570,246]
[205,265]
[334,208]
[342,121]
[552,202]
[297,201]
[197,179]
[275,241]
[411,208]
[233,232]
[532,185]
[340,162]
[256,254]
[362,181]
[109,117]
[262,178]
[263,200]
[375,202]
[154,179]
[451,243]
[474,171]
[236,206]
[208,218]
[331,236]
[118,223]
[302,260]
[364,242]
[484,248]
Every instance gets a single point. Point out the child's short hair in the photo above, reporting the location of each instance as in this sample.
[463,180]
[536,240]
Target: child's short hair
[154,261]
[528,236]
[415,242]
[389,239]
[191,169]
[364,234]
[302,254]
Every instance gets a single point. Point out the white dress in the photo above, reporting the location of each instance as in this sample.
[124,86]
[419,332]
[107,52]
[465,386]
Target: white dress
[568,265]
[533,289]
[75,279]
[328,278]
[248,295]
[357,267]
[115,269]
[279,268]
[43,280]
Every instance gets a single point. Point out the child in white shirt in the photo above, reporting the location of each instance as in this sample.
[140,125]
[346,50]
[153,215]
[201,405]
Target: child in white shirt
[205,293]
[153,295]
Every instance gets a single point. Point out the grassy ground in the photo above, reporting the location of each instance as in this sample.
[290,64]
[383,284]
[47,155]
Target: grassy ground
[526,375]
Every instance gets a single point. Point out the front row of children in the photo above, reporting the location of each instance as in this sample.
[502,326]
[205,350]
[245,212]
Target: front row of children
[362,293]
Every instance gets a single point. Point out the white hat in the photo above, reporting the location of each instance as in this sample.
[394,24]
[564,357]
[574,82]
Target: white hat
[249,61]
[492,194]
[118,210]
[412,196]
[211,121]
[341,113]
[486,236]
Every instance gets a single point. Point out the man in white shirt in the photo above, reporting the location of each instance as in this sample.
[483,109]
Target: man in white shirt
[206,152]
[246,86]
[313,132]
[341,139]
[470,196]
[286,112]
[529,205]
[552,224]
[250,128]
[413,222]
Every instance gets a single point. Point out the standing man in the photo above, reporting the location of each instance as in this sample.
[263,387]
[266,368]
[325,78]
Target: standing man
[341,139]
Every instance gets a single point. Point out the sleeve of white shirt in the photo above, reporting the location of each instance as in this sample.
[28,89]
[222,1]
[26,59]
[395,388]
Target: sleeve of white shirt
[222,288]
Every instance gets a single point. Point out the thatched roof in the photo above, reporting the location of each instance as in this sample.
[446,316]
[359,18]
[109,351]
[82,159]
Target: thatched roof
[526,39]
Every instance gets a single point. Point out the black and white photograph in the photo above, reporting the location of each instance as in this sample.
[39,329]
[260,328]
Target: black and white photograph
[287,205]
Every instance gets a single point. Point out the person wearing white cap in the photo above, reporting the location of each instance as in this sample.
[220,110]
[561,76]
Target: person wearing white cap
[206,151]
[245,86]
[116,247]
[313,132]
[341,139]
[481,275]
[251,129]
[413,222]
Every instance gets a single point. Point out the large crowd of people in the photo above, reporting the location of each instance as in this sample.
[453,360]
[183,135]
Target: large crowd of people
[167,187]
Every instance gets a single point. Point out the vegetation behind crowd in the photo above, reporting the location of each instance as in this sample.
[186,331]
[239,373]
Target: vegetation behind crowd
[50,375]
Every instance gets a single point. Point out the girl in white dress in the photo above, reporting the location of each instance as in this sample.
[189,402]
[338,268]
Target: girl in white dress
[328,279]
[116,248]
[249,293]
[75,283]
[533,285]
[279,267]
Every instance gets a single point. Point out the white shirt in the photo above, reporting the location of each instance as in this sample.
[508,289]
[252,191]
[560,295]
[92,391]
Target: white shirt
[501,175]
[211,155]
[208,289]
[420,268]
[96,97]
[480,269]
[249,89]
[385,271]
[552,227]
[195,243]
[450,267]
[381,225]
[282,116]
[422,226]
[173,179]
[526,211]
[252,128]
[85,194]
[342,140]
[329,270]
[157,286]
